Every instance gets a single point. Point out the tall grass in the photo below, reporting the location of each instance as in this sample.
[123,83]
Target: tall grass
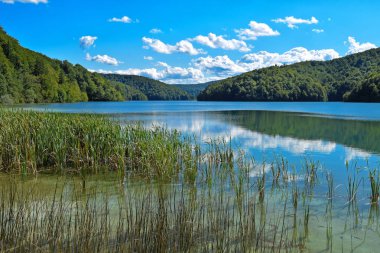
[144,218]
[211,202]
[32,142]
[375,186]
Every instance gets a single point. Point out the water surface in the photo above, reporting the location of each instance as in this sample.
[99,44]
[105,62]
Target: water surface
[331,133]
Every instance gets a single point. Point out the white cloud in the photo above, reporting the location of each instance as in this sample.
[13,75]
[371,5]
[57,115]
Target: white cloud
[220,65]
[155,31]
[163,72]
[124,19]
[356,47]
[87,41]
[299,54]
[148,58]
[182,46]
[105,59]
[292,22]
[24,1]
[215,41]
[223,66]
[205,69]
[256,30]
[209,68]
[318,30]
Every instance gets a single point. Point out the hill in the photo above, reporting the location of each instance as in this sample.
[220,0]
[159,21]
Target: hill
[153,89]
[351,78]
[193,89]
[30,77]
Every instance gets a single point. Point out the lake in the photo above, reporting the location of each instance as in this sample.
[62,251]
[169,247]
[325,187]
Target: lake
[341,138]
[331,133]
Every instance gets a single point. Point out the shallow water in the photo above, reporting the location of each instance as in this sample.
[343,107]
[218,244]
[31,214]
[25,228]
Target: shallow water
[331,133]
[334,134]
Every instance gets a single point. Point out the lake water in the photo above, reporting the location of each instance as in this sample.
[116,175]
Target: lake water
[331,133]
[334,134]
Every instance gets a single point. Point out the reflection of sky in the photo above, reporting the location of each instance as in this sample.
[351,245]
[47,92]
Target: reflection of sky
[369,111]
[191,117]
[263,147]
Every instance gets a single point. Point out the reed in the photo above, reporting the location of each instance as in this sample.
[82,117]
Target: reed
[352,183]
[176,195]
[34,142]
[375,186]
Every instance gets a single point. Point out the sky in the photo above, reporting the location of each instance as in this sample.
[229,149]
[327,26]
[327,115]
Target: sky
[191,41]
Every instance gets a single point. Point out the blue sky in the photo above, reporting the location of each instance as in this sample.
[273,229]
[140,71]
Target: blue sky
[191,41]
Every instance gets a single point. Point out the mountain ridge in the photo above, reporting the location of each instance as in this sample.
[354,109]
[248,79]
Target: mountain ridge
[152,89]
[350,78]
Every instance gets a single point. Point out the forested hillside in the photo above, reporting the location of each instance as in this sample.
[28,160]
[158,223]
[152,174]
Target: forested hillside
[30,77]
[351,78]
[153,89]
[193,89]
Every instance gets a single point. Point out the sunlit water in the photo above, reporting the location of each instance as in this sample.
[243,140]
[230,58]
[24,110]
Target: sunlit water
[331,133]
[334,134]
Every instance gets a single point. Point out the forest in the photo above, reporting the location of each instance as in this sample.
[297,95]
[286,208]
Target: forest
[353,78]
[152,89]
[30,77]
[193,89]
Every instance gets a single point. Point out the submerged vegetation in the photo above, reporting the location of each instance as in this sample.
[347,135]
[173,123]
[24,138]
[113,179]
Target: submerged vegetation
[152,190]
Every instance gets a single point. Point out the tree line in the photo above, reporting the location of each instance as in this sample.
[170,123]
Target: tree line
[351,78]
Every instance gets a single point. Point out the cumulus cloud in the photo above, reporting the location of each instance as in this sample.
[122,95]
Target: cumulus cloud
[24,1]
[124,19]
[299,54]
[183,46]
[214,41]
[87,41]
[356,47]
[223,66]
[148,58]
[208,68]
[318,30]
[105,59]
[163,72]
[220,65]
[256,30]
[155,31]
[292,22]
[204,69]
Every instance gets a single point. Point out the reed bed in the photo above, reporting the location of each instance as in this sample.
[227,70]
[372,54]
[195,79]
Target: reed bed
[169,194]
[224,216]
[33,142]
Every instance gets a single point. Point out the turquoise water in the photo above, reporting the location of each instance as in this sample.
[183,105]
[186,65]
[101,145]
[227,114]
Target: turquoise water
[331,133]
[334,134]
[365,111]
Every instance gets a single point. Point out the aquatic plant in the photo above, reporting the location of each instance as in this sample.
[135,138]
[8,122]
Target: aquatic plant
[152,190]
[33,142]
[375,186]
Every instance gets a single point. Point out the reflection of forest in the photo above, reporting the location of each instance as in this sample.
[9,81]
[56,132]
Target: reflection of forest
[352,133]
